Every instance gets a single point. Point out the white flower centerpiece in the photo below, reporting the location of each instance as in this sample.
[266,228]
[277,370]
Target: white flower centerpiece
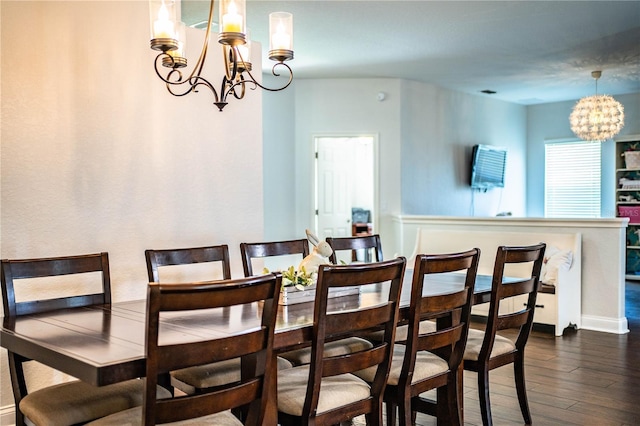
[298,279]
[299,286]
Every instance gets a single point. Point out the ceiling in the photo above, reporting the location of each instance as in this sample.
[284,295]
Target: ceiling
[528,52]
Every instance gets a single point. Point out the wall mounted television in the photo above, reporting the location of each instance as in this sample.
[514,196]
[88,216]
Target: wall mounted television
[487,167]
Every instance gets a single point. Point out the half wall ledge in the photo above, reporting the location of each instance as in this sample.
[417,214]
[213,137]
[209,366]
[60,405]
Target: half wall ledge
[602,259]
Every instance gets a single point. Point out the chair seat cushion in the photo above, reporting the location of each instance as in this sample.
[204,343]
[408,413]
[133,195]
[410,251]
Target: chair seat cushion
[79,402]
[133,417]
[501,345]
[425,327]
[402,331]
[212,375]
[427,365]
[335,391]
[335,348]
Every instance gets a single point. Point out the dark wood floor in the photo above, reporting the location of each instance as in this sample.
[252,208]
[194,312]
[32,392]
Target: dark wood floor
[583,378]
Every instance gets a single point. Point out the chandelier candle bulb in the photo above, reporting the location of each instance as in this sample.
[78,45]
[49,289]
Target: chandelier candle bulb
[281,39]
[163,27]
[178,57]
[232,22]
[162,15]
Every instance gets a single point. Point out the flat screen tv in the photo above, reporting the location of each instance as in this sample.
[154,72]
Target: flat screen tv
[487,167]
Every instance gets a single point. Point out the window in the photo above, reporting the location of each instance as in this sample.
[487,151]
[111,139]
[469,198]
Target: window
[572,179]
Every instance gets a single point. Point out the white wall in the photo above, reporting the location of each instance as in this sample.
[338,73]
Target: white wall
[279,162]
[349,107]
[424,149]
[97,156]
[439,129]
[550,122]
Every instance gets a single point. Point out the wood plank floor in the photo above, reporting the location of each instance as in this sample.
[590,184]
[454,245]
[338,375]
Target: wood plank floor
[582,378]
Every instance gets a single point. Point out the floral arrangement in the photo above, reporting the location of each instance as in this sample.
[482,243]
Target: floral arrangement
[298,279]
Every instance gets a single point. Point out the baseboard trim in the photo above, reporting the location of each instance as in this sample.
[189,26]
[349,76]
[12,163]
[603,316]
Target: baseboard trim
[7,415]
[605,324]
[589,322]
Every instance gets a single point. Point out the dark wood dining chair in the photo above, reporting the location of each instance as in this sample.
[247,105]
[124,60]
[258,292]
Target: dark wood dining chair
[73,402]
[431,360]
[365,242]
[250,251]
[487,350]
[195,379]
[186,256]
[325,392]
[254,345]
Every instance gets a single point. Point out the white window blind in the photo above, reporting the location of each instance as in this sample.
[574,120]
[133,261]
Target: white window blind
[572,179]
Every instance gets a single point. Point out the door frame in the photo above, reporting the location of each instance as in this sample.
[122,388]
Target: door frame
[313,219]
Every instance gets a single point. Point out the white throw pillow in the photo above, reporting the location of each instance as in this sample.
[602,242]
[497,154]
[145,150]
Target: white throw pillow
[549,251]
[555,258]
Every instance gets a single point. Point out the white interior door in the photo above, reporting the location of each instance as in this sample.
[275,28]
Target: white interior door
[345,178]
[333,181]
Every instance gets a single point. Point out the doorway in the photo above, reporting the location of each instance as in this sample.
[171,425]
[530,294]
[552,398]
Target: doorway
[345,185]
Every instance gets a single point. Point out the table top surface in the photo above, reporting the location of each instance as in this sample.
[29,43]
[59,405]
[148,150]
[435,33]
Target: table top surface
[103,345]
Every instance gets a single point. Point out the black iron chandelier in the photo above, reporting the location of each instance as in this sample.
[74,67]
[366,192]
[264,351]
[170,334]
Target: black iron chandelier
[168,37]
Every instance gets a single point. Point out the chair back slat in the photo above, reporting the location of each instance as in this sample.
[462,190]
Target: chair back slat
[442,303]
[511,289]
[199,353]
[242,294]
[253,345]
[233,396]
[447,263]
[441,338]
[250,251]
[354,361]
[35,306]
[187,256]
[521,254]
[51,267]
[514,320]
[344,322]
[354,243]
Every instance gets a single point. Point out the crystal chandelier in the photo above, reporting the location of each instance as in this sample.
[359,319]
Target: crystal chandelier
[597,117]
[168,37]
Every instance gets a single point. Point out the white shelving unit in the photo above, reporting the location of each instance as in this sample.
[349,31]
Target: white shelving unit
[628,202]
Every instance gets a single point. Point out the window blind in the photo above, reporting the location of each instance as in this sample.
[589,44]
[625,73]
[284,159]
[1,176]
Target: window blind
[572,179]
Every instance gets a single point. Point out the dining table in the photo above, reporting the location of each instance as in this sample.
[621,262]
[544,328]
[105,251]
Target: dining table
[105,344]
